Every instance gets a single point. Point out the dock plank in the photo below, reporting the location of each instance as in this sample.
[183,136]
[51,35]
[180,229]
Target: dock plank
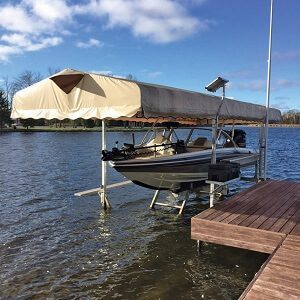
[247,204]
[279,205]
[224,209]
[235,236]
[227,205]
[257,209]
[280,277]
[268,223]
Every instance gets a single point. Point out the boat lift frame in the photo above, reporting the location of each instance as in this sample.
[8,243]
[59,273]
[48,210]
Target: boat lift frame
[215,187]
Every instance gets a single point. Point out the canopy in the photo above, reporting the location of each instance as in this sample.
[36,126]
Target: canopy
[72,94]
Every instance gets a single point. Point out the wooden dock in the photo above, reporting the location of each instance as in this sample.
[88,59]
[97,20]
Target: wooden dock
[264,218]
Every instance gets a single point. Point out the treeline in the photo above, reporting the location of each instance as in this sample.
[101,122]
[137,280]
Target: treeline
[291,117]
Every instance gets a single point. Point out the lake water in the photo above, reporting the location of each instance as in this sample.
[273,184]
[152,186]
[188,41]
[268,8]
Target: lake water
[57,246]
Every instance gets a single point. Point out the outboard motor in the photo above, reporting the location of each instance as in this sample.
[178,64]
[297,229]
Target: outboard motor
[239,137]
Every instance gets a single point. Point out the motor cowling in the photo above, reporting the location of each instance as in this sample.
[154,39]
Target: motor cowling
[239,137]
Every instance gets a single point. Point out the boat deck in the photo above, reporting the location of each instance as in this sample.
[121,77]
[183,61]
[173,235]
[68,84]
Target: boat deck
[264,218]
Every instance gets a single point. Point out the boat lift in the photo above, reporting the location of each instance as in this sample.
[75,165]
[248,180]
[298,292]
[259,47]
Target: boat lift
[215,187]
[74,94]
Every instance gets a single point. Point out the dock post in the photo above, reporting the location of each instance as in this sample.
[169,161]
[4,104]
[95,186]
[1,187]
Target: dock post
[199,246]
[103,193]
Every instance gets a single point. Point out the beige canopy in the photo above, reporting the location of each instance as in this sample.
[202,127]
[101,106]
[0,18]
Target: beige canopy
[72,94]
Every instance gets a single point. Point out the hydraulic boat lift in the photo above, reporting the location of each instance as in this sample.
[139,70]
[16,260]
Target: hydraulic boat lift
[73,94]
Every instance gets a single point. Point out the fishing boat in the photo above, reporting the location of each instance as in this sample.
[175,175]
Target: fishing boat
[166,162]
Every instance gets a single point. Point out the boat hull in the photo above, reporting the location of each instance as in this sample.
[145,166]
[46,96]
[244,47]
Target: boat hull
[176,173]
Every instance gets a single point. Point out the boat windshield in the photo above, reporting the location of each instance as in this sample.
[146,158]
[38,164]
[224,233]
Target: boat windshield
[198,137]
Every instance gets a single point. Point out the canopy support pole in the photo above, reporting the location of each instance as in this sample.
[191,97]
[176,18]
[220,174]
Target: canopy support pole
[268,92]
[261,150]
[103,193]
[214,124]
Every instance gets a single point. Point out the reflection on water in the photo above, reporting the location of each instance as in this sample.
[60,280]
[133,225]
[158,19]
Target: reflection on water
[55,245]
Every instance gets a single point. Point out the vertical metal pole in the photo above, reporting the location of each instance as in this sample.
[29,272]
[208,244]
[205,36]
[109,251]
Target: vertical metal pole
[213,141]
[213,159]
[268,91]
[219,109]
[103,196]
[261,150]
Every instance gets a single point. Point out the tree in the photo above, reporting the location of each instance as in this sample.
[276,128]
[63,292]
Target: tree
[4,110]
[7,88]
[24,80]
[131,77]
[52,71]
[291,117]
[89,123]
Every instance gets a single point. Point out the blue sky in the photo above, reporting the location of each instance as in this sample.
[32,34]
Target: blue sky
[181,43]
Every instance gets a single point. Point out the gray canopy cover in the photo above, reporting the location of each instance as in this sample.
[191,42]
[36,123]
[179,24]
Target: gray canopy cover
[73,94]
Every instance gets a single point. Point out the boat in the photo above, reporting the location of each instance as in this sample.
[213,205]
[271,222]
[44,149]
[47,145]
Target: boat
[166,162]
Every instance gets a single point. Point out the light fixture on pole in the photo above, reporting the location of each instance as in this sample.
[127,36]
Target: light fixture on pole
[213,87]
[216,84]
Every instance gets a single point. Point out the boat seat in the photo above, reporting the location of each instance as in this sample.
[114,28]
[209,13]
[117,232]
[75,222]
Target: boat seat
[207,144]
[158,140]
[198,144]
[200,141]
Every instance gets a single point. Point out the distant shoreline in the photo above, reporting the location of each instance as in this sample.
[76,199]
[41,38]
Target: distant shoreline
[276,125]
[70,129]
[114,129]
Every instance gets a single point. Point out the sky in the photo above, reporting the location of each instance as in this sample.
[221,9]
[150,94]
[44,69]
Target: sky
[180,43]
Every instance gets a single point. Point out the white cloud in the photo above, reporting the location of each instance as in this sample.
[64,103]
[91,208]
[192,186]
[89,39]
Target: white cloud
[282,98]
[90,43]
[45,43]
[15,18]
[160,21]
[108,73]
[253,85]
[151,74]
[260,84]
[287,83]
[44,22]
[17,43]
[7,51]
[102,72]
[16,39]
[51,11]
[281,105]
[241,73]
[31,25]
[288,55]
